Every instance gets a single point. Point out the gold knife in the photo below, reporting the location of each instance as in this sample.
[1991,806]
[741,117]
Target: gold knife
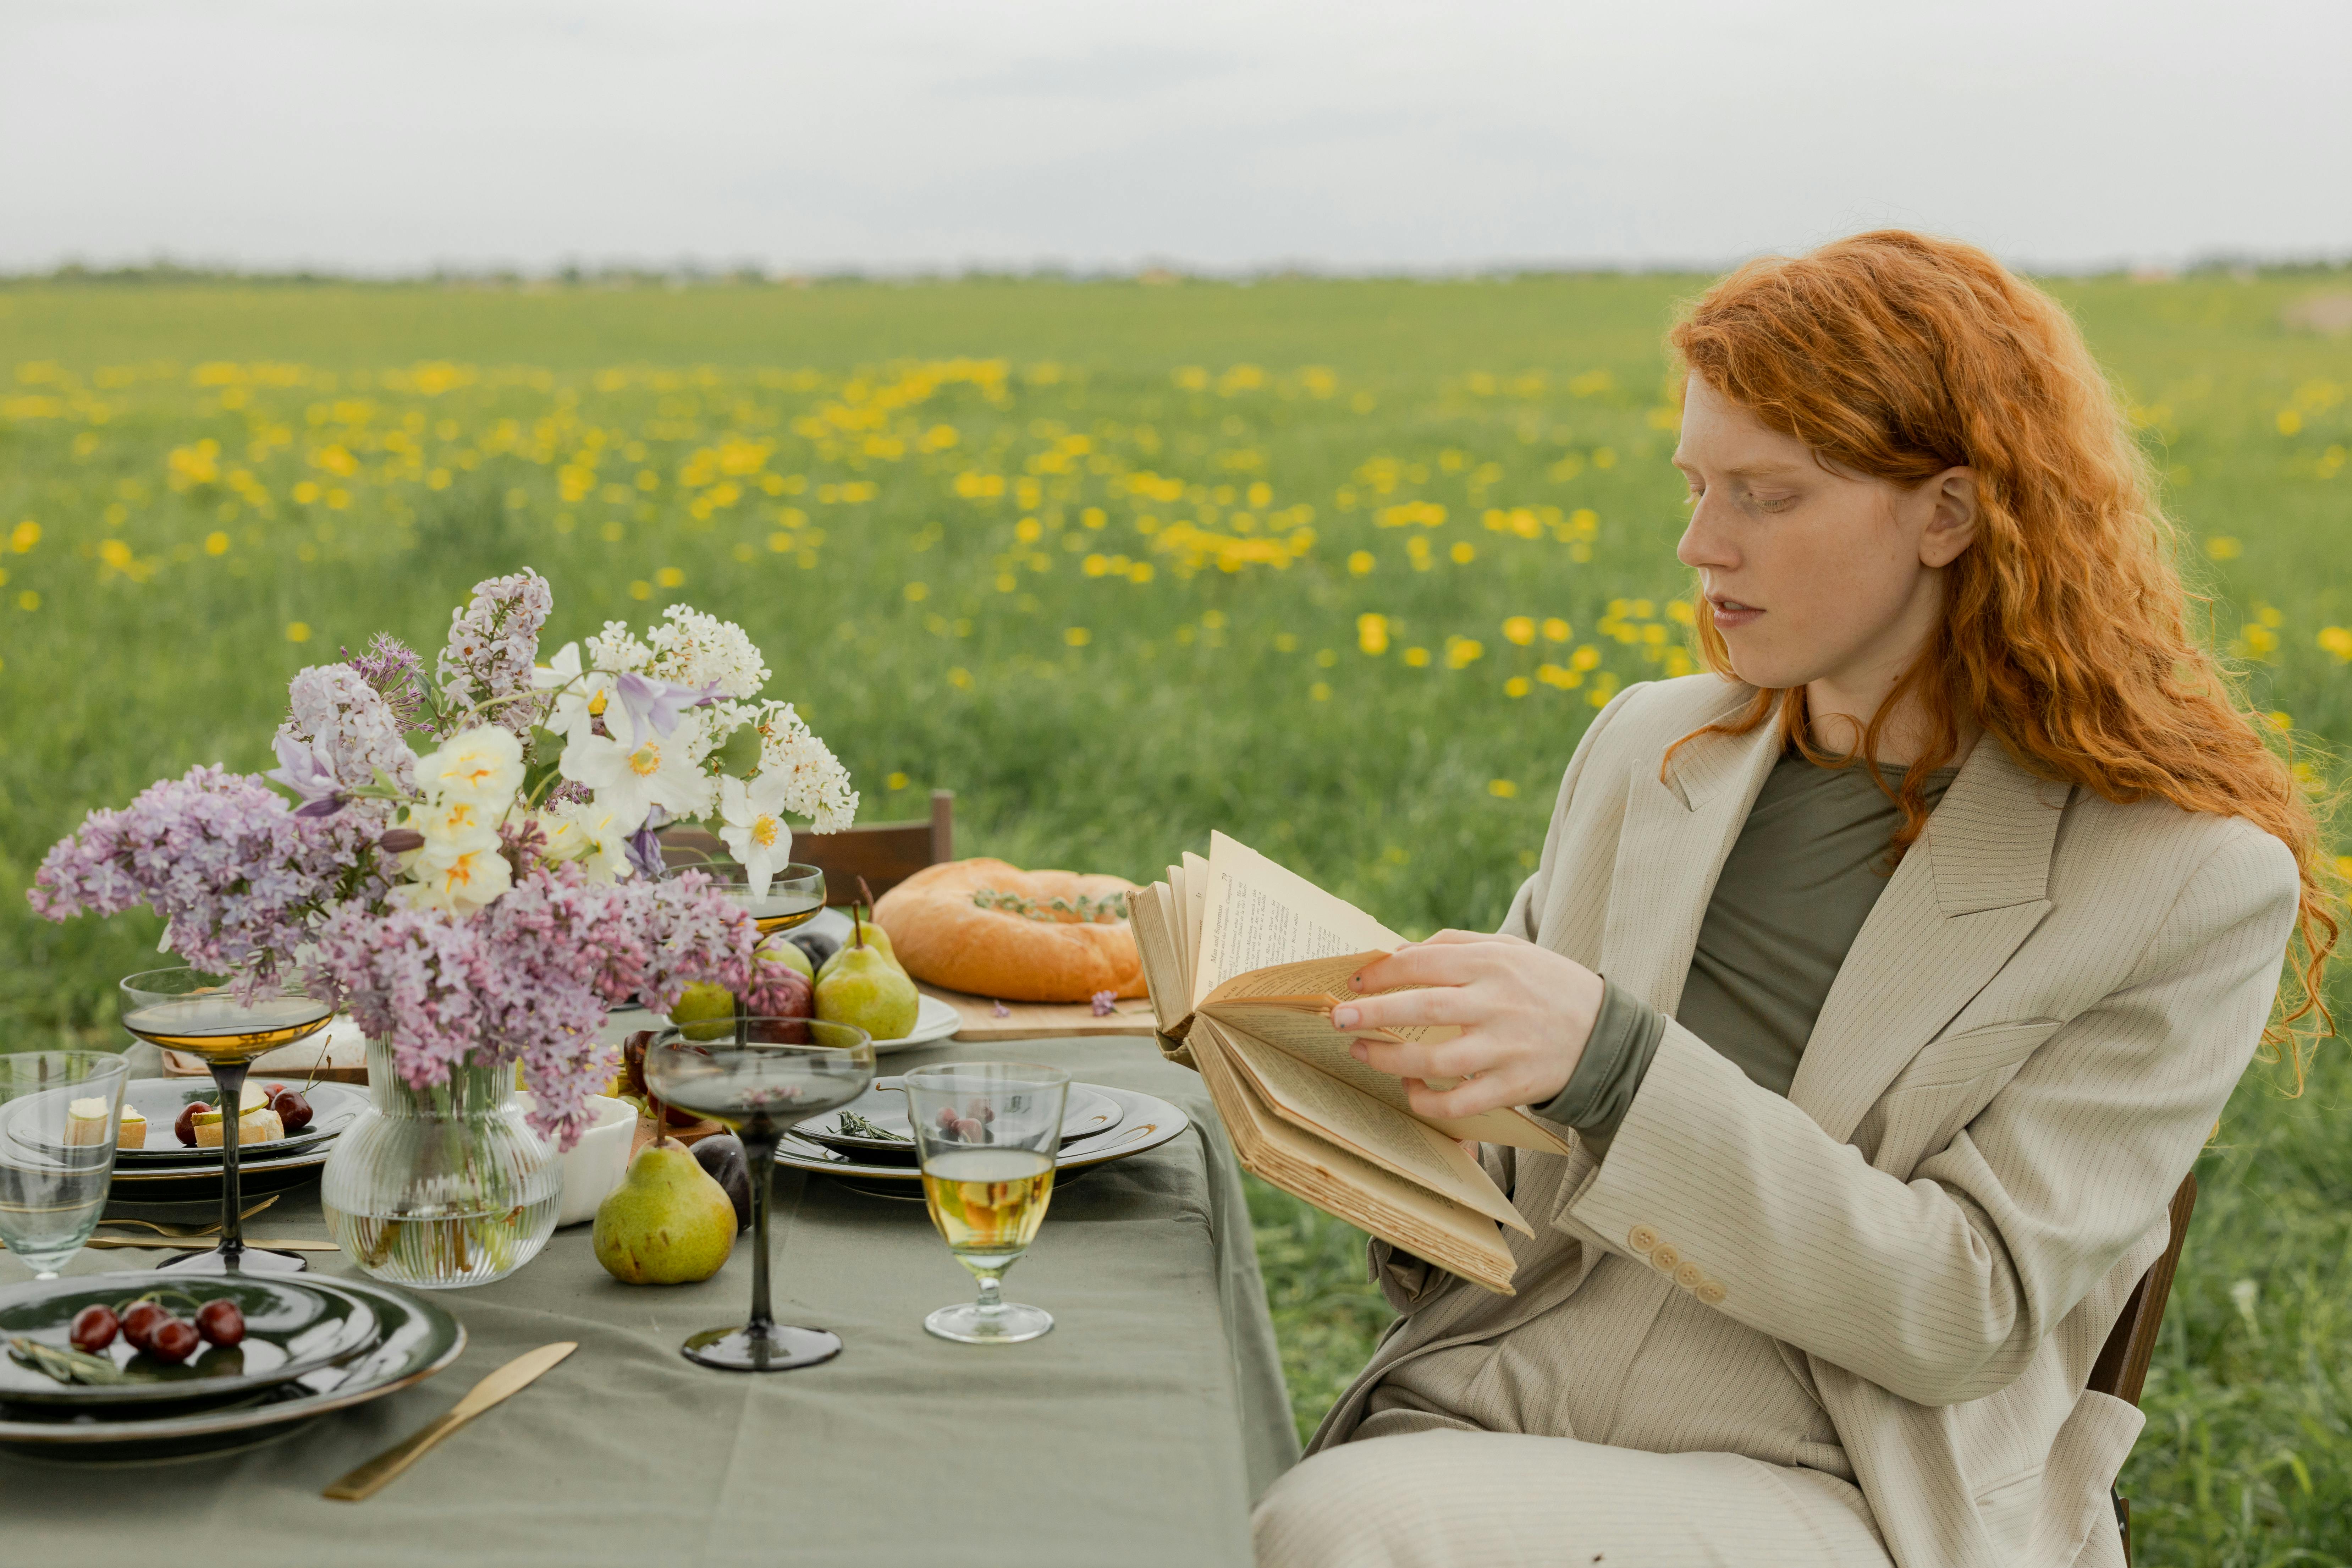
[508,1380]
[207,1243]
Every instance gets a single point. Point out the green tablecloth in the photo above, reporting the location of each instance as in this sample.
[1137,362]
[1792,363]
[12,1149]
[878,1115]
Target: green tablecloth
[1138,1432]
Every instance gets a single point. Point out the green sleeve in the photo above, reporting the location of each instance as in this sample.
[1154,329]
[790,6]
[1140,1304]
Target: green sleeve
[1601,1091]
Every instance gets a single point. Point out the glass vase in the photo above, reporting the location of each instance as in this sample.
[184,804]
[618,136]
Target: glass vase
[441,1187]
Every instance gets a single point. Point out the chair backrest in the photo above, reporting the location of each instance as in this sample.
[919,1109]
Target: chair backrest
[2122,1367]
[885,853]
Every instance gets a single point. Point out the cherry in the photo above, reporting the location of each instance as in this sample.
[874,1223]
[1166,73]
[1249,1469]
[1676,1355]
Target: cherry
[185,1125]
[220,1322]
[93,1329]
[140,1323]
[969,1129]
[293,1111]
[173,1341]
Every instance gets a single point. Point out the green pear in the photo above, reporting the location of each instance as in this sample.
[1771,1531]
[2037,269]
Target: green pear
[861,986]
[785,950]
[668,1223]
[705,1012]
[871,936]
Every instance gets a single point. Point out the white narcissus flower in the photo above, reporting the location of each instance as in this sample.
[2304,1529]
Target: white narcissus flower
[458,883]
[591,834]
[583,696]
[756,831]
[483,765]
[633,774]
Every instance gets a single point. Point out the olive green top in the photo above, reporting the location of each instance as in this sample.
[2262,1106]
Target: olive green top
[1810,862]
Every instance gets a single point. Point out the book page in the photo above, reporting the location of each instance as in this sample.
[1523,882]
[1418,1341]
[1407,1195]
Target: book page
[1147,917]
[1301,1025]
[1255,913]
[1318,1172]
[1193,892]
[1379,1134]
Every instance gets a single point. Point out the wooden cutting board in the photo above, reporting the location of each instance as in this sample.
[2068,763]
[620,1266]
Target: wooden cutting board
[336,1054]
[985,1018]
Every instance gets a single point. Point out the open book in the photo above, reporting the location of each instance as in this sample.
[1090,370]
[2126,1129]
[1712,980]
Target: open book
[1245,962]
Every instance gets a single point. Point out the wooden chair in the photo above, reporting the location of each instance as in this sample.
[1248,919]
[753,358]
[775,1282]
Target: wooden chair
[2122,1367]
[885,853]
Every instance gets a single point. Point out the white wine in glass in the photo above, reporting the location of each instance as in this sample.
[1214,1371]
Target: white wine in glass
[988,1134]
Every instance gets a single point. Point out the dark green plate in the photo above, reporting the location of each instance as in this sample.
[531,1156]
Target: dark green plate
[291,1327]
[416,1340]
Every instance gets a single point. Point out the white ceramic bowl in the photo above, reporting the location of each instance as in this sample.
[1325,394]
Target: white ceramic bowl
[596,1163]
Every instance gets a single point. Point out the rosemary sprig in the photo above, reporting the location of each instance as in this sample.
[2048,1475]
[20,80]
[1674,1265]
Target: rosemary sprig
[855,1126]
[65,1365]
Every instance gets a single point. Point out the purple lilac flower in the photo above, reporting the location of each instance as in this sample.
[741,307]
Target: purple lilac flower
[494,644]
[237,875]
[348,724]
[300,770]
[530,976]
[397,673]
[1105,1003]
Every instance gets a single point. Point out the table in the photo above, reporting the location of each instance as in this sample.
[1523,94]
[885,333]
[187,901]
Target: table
[1138,1432]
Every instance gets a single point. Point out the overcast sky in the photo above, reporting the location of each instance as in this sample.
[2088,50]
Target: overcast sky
[1353,134]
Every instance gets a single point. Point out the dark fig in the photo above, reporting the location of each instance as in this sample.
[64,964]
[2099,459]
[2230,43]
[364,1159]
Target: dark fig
[721,1157]
[818,947]
[93,1329]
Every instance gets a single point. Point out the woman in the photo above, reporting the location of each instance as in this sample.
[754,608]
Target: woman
[1880,1088]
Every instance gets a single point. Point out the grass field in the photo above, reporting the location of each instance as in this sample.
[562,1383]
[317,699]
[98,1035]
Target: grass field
[1343,568]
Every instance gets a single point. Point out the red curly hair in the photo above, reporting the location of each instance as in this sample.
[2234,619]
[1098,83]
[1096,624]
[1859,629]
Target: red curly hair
[2067,628]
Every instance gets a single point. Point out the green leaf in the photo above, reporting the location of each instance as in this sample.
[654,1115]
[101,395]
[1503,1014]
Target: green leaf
[740,755]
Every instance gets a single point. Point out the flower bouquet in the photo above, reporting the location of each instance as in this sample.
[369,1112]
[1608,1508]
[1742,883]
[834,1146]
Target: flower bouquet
[486,902]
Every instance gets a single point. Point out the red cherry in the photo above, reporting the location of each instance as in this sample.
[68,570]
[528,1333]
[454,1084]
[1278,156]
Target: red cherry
[221,1322]
[185,1124]
[140,1324]
[947,1118]
[968,1129]
[93,1329]
[293,1111]
[173,1341]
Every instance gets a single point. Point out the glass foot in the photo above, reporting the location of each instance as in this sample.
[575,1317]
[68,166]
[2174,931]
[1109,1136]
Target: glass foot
[779,1349]
[967,1322]
[252,1260]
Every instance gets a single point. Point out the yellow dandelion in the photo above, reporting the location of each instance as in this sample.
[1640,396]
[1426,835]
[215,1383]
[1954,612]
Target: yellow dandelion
[298,631]
[1501,789]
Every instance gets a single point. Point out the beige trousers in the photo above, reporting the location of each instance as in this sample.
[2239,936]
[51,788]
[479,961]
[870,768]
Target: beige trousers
[1495,1500]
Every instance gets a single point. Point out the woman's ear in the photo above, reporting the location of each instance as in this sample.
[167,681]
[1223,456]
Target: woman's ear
[1952,518]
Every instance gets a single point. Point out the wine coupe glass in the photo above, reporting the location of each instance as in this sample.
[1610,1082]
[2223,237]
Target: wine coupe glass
[988,1134]
[795,896]
[186,1009]
[761,1077]
[60,1112]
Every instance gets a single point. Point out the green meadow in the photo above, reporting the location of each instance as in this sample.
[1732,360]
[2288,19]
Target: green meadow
[1342,568]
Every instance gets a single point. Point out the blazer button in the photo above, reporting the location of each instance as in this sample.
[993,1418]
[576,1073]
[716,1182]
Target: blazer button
[1665,1258]
[1642,1239]
[1712,1292]
[1690,1277]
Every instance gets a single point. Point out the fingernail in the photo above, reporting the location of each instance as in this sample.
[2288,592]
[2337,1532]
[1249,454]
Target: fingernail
[1343,1017]
[1360,1051]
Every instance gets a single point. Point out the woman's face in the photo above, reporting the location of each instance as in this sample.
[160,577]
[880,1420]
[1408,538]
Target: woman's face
[1819,577]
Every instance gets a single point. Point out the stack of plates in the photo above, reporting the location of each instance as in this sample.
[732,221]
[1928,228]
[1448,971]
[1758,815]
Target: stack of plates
[167,1168]
[312,1345]
[1098,1125]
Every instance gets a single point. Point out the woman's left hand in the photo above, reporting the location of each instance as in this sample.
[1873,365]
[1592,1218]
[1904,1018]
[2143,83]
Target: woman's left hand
[1525,1012]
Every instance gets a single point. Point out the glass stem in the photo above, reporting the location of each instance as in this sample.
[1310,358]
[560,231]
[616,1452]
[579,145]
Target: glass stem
[992,1296]
[229,1079]
[760,1151]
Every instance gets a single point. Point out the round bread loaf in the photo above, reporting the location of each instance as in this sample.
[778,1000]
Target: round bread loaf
[993,929]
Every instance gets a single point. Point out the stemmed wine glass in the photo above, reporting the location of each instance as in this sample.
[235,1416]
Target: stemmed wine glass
[795,895]
[769,1075]
[988,1134]
[185,1009]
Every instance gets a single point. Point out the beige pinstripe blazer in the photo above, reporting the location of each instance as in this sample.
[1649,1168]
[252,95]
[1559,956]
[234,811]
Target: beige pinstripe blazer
[2029,1042]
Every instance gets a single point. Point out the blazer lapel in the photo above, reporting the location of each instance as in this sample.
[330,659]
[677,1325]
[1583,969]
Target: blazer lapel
[1677,836]
[1966,895]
